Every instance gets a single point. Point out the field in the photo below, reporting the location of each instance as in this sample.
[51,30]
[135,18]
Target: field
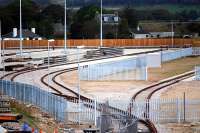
[173,68]
[173,8]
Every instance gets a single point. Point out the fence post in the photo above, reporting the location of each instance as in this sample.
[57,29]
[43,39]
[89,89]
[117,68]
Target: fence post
[24,93]
[95,112]
[178,110]
[184,107]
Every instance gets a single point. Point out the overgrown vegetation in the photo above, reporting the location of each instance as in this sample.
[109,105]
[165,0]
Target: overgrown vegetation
[21,109]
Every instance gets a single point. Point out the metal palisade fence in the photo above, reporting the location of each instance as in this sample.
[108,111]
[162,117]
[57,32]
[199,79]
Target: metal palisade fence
[168,110]
[87,111]
[197,73]
[28,94]
[176,54]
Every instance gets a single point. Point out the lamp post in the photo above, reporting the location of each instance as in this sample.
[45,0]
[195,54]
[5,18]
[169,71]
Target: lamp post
[20,25]
[101,27]
[65,34]
[49,41]
[79,96]
[0,45]
[3,62]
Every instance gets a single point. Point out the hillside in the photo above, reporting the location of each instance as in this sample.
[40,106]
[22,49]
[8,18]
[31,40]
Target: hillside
[41,2]
[112,2]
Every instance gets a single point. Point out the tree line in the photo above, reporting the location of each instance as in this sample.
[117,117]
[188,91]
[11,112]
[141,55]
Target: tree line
[84,23]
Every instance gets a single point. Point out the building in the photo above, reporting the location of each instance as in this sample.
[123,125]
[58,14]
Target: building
[139,33]
[109,19]
[162,34]
[26,35]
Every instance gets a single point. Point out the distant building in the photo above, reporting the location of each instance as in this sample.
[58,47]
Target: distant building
[110,19]
[139,33]
[26,35]
[57,2]
[162,34]
[189,35]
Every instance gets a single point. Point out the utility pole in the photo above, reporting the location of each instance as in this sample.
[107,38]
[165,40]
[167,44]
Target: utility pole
[20,30]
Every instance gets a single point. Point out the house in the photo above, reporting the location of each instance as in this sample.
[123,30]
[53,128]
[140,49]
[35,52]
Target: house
[26,35]
[139,33]
[109,19]
[190,35]
[162,34]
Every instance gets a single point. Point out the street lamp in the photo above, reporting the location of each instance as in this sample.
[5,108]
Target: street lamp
[101,27]
[49,41]
[0,44]
[65,34]
[3,62]
[20,25]
[79,96]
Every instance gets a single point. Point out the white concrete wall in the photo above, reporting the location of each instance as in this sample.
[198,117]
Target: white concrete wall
[125,68]
[139,36]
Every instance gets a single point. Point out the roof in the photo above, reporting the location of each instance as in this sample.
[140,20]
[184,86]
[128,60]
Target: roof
[25,34]
[109,15]
[140,32]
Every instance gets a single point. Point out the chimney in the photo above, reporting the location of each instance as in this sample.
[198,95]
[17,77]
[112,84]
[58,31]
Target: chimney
[33,30]
[14,32]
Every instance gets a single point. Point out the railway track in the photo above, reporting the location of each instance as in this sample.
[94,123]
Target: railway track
[147,93]
[74,94]
[87,60]
[146,122]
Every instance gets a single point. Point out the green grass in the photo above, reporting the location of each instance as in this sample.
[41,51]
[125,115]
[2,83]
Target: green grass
[173,68]
[170,7]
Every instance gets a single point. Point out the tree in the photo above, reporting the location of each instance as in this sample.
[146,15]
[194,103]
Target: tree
[86,13]
[85,24]
[161,14]
[194,27]
[109,35]
[123,29]
[45,27]
[131,16]
[10,14]
[54,12]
